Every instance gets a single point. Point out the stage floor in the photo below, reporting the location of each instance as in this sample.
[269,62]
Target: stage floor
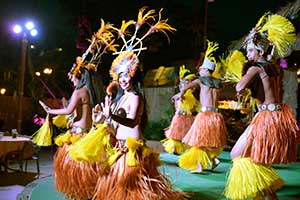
[207,186]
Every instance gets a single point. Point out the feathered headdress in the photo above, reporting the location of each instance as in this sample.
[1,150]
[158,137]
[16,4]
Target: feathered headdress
[272,29]
[209,60]
[185,74]
[232,66]
[101,42]
[127,59]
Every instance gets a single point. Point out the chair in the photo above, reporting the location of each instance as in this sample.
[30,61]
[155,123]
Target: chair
[29,152]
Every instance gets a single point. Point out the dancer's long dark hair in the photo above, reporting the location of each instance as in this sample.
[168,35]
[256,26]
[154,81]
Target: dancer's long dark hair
[94,84]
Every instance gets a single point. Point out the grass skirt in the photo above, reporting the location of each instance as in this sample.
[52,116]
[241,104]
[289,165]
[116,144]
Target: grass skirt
[67,138]
[138,180]
[272,137]
[180,125]
[208,130]
[76,180]
[173,146]
[43,136]
[78,166]
[189,160]
[247,179]
[96,146]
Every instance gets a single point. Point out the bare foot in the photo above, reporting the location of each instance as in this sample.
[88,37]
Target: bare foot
[199,168]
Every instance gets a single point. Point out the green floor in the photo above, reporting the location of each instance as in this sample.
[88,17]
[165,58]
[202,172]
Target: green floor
[207,186]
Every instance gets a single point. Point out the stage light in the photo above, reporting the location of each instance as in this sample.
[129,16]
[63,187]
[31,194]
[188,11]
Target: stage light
[29,25]
[17,29]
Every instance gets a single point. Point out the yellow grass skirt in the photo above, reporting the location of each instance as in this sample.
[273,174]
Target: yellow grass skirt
[247,179]
[43,136]
[192,156]
[96,146]
[173,146]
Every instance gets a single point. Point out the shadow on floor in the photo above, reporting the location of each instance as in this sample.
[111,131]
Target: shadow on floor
[17,178]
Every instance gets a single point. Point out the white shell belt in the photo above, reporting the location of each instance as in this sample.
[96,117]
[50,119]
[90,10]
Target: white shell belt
[269,107]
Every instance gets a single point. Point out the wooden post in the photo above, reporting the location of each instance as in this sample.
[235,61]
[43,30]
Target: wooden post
[21,82]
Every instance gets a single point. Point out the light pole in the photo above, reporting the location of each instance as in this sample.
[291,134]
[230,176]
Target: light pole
[28,28]
[205,24]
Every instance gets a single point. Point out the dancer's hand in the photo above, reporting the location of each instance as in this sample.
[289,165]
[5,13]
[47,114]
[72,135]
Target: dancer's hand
[176,97]
[97,114]
[106,106]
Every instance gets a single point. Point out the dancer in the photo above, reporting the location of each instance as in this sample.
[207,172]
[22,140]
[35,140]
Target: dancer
[207,135]
[133,172]
[183,117]
[77,178]
[88,91]
[272,134]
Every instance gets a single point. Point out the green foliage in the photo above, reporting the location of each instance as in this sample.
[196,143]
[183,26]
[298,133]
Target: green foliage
[155,129]
[236,123]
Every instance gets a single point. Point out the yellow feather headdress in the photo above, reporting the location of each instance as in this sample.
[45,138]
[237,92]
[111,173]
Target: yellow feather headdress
[127,59]
[101,42]
[185,73]
[209,60]
[272,29]
[232,66]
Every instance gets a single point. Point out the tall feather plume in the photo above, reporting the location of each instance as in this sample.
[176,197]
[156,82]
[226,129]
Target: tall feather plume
[161,26]
[232,66]
[280,31]
[211,47]
[134,45]
[144,18]
[183,71]
[101,42]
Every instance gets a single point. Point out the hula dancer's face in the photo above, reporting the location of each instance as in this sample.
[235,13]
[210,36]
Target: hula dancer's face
[125,81]
[252,54]
[182,84]
[203,71]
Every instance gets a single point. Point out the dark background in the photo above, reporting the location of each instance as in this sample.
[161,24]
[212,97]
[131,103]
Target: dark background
[57,22]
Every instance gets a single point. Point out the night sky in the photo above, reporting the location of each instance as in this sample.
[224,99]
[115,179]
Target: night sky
[57,21]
